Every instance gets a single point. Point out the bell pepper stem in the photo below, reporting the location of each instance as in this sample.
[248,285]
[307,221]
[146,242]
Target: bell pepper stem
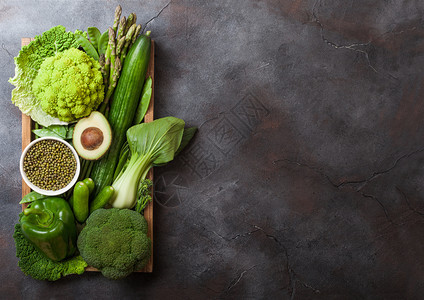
[45,218]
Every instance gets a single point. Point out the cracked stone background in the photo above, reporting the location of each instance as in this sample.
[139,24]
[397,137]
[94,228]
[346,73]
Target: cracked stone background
[305,180]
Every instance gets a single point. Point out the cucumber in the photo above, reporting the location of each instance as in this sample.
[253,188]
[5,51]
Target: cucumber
[102,198]
[123,108]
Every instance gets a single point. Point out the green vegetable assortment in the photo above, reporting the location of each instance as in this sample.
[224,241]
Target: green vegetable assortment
[62,78]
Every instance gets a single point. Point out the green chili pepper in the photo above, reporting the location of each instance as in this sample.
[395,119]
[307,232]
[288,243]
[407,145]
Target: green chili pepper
[50,225]
[80,203]
[102,198]
[90,184]
[71,201]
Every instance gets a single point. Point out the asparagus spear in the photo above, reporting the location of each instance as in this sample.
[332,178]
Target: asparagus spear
[118,68]
[113,79]
[112,45]
[102,63]
[108,57]
[137,31]
[120,46]
[118,12]
[130,21]
[121,27]
[128,39]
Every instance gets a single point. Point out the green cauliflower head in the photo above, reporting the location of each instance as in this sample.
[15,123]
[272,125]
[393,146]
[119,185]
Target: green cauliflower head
[115,242]
[69,85]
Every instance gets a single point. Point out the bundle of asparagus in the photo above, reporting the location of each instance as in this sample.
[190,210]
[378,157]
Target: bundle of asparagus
[121,38]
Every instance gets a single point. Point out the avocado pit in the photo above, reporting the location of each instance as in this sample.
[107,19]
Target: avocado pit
[91,138]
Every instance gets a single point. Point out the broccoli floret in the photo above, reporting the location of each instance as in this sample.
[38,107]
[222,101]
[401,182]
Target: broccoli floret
[115,242]
[69,85]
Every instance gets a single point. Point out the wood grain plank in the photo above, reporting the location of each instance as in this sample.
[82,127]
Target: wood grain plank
[26,132]
[148,211]
[27,126]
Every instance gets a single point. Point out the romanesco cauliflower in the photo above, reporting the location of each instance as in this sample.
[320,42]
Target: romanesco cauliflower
[69,85]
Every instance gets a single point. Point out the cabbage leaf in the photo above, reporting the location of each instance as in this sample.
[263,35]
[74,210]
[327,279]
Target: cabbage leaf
[27,64]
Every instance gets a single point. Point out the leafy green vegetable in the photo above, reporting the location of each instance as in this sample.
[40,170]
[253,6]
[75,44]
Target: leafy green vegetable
[103,41]
[115,242]
[144,195]
[187,136]
[31,197]
[38,266]
[70,132]
[146,95]
[69,85]
[94,35]
[45,132]
[28,63]
[87,46]
[153,143]
[59,131]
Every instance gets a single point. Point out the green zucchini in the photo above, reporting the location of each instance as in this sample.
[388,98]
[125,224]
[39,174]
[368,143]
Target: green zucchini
[123,108]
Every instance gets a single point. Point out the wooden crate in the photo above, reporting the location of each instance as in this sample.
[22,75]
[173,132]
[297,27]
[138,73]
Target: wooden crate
[27,137]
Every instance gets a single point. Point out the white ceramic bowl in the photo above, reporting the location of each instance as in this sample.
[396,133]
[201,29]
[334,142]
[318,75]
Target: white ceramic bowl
[47,192]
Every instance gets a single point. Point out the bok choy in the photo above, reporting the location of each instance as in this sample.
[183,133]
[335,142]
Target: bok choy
[150,144]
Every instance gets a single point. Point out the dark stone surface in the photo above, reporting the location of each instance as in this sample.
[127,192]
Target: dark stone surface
[305,179]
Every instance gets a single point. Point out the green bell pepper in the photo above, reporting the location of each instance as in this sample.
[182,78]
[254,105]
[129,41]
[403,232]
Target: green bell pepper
[49,224]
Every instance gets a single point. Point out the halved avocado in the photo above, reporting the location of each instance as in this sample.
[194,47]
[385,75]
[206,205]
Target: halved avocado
[92,136]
